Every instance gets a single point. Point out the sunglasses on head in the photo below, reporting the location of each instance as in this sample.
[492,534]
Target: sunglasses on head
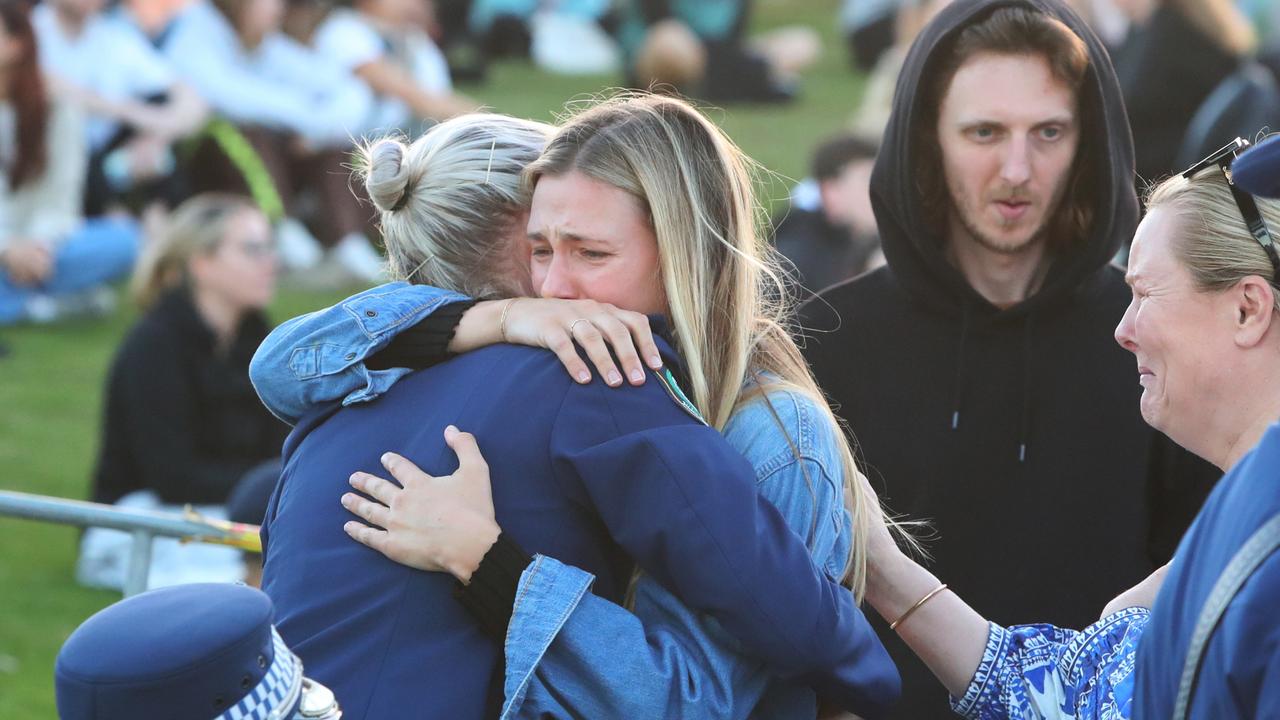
[1244,201]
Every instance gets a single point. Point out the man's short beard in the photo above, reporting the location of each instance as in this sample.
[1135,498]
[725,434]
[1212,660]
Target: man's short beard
[999,248]
[1040,234]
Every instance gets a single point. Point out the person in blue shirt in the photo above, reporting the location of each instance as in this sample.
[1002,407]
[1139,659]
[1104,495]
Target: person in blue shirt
[632,473]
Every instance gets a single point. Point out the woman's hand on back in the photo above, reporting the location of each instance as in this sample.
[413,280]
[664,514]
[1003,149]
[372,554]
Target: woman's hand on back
[556,325]
[431,523]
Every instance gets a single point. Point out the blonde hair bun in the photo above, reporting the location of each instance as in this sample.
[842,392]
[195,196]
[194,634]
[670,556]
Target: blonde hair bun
[447,201]
[387,177]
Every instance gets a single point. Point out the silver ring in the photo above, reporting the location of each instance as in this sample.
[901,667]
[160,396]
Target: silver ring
[575,322]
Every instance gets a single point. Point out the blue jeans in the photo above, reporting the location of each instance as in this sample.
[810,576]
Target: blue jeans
[100,250]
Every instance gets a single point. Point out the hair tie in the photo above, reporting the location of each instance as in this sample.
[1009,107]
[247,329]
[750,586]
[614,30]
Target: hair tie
[404,197]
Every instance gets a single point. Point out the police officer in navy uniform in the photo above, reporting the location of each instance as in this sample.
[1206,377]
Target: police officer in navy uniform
[186,652]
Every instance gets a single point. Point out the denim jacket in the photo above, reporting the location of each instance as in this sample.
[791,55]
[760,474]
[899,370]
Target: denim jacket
[568,652]
[318,358]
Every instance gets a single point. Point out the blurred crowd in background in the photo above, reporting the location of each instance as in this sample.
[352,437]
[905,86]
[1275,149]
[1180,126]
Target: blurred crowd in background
[115,113]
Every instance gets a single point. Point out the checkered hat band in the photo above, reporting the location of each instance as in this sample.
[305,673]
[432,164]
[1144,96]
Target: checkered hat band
[276,693]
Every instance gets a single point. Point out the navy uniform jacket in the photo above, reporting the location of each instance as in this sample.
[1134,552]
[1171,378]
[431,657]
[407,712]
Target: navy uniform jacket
[590,475]
[1240,673]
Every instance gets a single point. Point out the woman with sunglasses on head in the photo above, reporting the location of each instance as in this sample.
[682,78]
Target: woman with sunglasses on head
[1204,325]
[639,203]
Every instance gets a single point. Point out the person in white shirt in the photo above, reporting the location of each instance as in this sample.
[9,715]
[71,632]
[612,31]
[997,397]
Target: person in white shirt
[298,110]
[51,258]
[136,106]
[382,43]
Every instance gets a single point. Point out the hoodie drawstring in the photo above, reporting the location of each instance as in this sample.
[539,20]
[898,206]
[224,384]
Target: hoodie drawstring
[959,386]
[1024,425]
[1024,421]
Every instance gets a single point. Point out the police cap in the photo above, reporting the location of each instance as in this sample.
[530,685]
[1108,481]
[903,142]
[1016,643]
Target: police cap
[184,652]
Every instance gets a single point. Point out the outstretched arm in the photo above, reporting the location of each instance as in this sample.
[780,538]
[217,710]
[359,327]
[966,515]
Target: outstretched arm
[998,673]
[947,634]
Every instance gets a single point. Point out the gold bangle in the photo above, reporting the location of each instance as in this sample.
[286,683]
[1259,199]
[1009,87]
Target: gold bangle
[919,603]
[502,321]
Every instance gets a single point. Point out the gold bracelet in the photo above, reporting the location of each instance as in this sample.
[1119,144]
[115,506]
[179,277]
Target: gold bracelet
[502,321]
[919,603]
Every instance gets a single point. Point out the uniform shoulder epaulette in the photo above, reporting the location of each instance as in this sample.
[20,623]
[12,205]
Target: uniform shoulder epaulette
[673,389]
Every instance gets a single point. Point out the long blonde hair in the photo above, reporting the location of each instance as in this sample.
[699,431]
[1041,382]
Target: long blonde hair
[198,226]
[447,200]
[724,290]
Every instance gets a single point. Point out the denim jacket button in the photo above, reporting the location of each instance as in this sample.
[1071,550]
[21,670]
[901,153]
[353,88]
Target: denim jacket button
[351,356]
[371,313]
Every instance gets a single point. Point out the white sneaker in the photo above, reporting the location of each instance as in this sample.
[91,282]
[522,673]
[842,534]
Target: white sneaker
[102,301]
[355,253]
[41,309]
[93,302]
[298,248]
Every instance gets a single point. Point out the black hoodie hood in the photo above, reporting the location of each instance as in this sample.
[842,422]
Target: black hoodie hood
[914,250]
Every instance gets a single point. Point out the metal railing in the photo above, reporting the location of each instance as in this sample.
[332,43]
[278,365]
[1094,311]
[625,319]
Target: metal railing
[143,525]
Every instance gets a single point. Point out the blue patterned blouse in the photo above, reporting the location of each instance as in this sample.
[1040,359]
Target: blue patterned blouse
[1042,672]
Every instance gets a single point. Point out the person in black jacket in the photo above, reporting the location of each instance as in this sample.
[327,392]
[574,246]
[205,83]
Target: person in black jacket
[1176,53]
[182,418]
[836,240]
[182,421]
[977,370]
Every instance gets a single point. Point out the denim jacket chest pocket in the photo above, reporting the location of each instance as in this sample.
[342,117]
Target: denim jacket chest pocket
[314,361]
[796,456]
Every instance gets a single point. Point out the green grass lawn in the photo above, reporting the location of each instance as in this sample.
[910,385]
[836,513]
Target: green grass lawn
[51,384]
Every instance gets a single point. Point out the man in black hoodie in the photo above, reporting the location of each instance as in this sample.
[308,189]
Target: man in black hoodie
[977,370]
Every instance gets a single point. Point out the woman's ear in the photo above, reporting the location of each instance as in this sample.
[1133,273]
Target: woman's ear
[1254,299]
